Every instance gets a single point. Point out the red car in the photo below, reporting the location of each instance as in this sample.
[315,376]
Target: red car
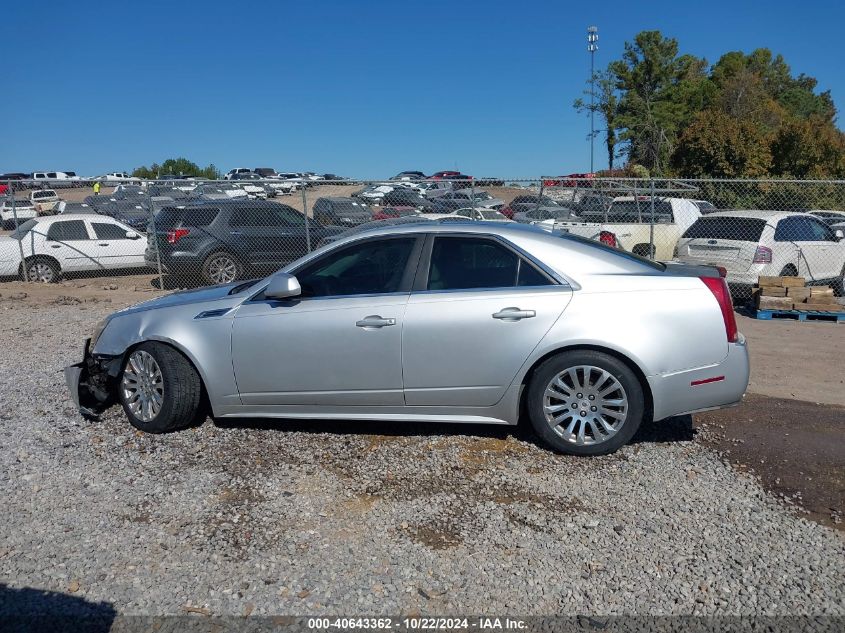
[449,175]
[570,180]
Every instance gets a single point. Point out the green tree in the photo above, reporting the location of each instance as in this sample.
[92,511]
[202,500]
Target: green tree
[660,91]
[811,148]
[177,167]
[717,145]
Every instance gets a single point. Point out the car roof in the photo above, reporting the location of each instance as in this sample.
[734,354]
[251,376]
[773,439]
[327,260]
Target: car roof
[73,216]
[755,213]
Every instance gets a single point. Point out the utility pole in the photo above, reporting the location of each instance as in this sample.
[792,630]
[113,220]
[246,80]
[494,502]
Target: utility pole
[592,47]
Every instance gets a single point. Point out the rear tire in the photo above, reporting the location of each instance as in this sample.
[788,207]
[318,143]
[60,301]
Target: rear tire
[159,389]
[221,268]
[585,403]
[789,271]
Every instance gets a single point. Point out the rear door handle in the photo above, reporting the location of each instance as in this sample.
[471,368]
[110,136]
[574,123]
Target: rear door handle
[514,314]
[375,321]
[104,243]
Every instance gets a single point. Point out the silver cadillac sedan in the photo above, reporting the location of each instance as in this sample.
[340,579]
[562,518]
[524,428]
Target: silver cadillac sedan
[432,321]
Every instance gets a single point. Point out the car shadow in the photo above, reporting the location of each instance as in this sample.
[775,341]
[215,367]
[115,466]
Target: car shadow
[677,429]
[30,609]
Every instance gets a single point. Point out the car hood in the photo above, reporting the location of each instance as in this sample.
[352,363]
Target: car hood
[186,297]
[9,249]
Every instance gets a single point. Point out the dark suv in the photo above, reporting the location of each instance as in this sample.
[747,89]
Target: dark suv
[344,212]
[224,240]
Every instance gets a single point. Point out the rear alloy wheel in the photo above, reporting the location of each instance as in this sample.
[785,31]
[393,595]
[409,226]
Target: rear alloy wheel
[585,403]
[159,389]
[43,270]
[221,268]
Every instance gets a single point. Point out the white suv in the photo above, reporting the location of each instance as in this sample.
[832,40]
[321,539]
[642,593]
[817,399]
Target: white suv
[237,170]
[753,243]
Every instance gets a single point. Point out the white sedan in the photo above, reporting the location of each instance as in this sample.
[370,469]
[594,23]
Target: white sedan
[70,243]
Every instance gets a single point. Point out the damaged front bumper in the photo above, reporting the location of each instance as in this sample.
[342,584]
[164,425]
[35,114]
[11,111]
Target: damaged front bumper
[91,382]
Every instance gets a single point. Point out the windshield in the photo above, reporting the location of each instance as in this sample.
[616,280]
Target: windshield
[23,229]
[490,214]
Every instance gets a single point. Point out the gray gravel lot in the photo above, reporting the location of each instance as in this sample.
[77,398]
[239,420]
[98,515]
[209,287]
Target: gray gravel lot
[279,517]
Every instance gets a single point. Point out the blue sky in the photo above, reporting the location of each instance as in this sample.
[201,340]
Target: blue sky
[363,89]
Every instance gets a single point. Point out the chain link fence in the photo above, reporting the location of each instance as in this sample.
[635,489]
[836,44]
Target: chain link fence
[189,232]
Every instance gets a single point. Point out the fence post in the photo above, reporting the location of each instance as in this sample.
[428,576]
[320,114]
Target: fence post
[305,215]
[651,249]
[472,198]
[20,242]
[152,227]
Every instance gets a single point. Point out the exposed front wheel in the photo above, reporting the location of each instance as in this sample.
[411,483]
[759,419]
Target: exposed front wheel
[159,389]
[585,403]
[41,269]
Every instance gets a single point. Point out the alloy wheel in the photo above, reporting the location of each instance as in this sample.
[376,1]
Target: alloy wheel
[222,269]
[585,405]
[40,271]
[143,386]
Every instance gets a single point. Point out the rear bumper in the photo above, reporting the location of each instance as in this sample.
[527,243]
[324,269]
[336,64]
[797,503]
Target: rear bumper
[712,387]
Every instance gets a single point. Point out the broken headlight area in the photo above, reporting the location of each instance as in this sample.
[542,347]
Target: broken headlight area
[92,382]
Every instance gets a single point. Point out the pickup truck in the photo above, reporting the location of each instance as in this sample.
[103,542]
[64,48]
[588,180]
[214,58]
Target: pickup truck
[628,225]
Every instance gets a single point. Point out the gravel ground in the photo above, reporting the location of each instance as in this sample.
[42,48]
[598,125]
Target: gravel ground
[327,518]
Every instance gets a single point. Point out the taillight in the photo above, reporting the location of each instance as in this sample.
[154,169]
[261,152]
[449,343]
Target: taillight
[719,287]
[176,235]
[608,238]
[762,255]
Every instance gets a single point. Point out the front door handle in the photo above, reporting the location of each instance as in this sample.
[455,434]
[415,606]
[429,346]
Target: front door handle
[514,314]
[375,321]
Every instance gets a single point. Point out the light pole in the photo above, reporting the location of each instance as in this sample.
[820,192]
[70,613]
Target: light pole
[592,47]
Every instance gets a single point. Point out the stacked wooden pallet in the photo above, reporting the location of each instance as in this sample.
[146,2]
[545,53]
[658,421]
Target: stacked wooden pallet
[792,293]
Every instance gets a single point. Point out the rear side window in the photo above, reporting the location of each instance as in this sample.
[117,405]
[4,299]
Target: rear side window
[467,263]
[803,229]
[170,217]
[727,228]
[67,231]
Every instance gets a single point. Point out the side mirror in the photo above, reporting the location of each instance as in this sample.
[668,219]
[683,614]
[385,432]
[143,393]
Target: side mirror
[132,235]
[283,286]
[840,234]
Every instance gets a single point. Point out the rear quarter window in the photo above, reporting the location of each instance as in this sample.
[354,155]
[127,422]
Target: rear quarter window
[727,228]
[169,217]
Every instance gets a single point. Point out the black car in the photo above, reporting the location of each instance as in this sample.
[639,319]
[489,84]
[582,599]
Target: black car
[223,240]
[343,212]
[133,212]
[407,197]
[410,175]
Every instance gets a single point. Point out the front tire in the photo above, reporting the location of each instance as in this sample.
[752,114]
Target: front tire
[585,403]
[41,269]
[159,389]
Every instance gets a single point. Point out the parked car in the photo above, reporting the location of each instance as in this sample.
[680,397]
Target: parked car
[264,172]
[236,170]
[11,208]
[432,321]
[222,240]
[136,214]
[344,212]
[409,175]
[391,213]
[466,198]
[753,243]
[70,243]
[53,179]
[373,194]
[44,200]
[523,203]
[449,175]
[407,197]
[118,176]
[829,217]
[545,214]
[629,219]
[479,213]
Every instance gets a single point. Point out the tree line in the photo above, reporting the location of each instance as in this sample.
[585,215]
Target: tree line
[746,116]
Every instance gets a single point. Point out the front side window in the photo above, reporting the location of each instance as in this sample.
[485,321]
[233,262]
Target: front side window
[67,231]
[371,267]
[467,263]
